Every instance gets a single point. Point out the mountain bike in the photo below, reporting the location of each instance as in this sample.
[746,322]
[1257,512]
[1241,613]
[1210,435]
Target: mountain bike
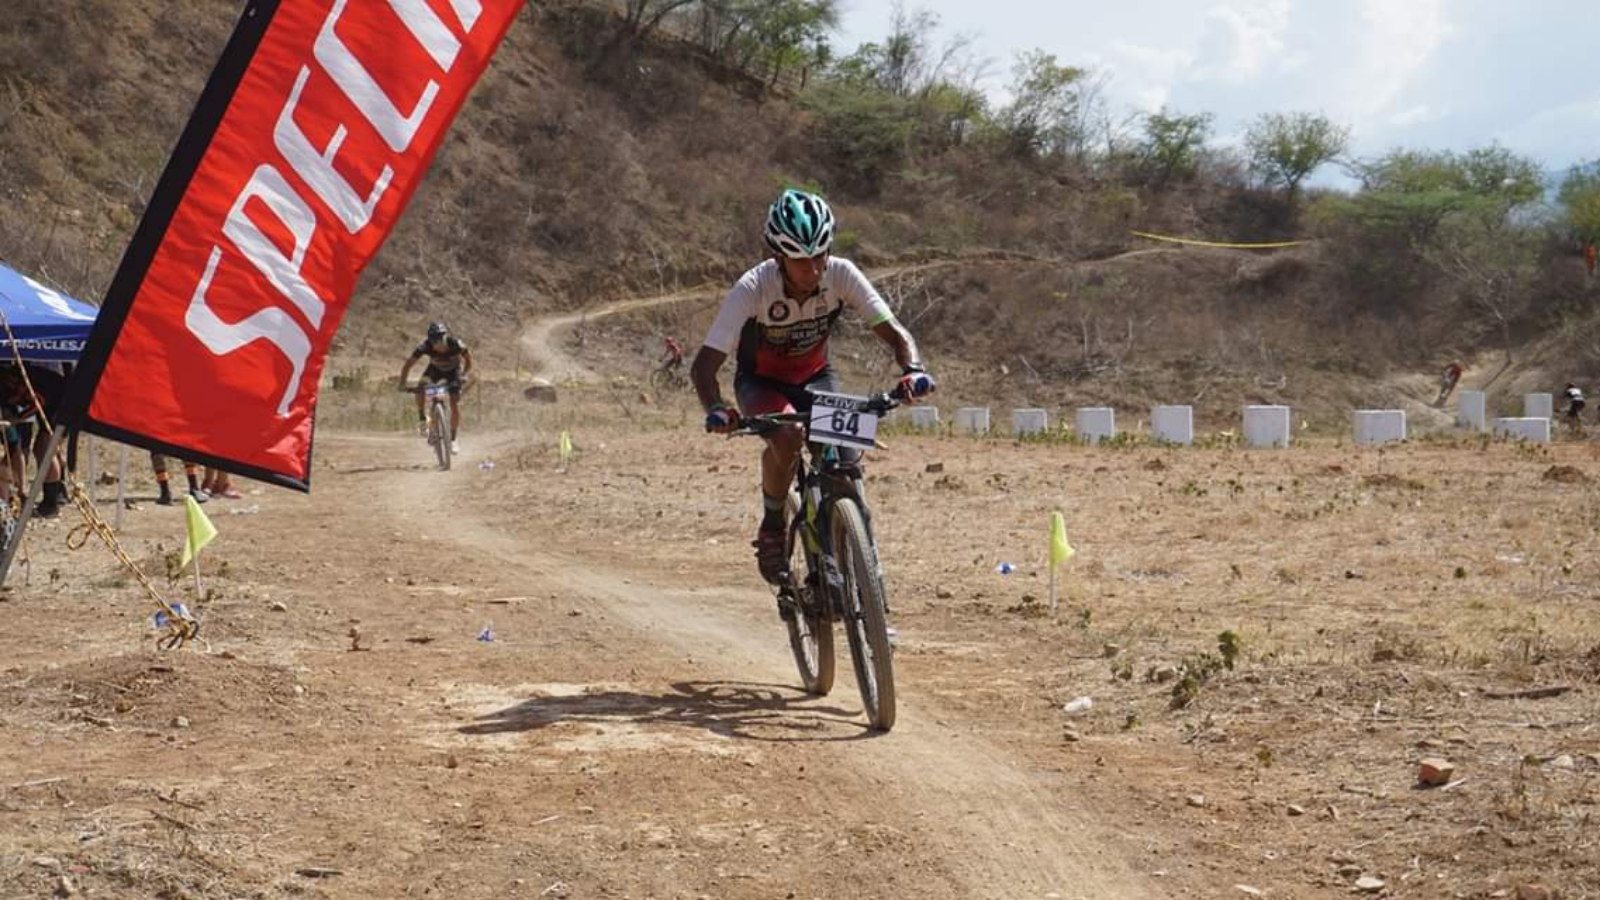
[436,406]
[834,573]
[669,377]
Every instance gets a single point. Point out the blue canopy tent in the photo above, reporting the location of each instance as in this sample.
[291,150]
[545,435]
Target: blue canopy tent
[48,326]
[45,326]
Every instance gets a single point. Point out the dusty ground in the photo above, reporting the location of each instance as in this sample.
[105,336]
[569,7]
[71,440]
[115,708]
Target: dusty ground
[633,729]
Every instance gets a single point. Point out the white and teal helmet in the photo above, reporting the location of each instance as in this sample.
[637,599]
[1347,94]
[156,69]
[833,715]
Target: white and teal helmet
[799,225]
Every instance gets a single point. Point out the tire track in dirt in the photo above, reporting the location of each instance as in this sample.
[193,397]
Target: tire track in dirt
[1002,830]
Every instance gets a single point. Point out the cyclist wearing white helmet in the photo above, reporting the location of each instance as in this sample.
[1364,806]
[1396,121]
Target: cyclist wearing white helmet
[449,361]
[776,321]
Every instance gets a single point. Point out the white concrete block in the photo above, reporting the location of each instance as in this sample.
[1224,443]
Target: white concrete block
[1172,424]
[1266,426]
[1097,423]
[1379,426]
[1473,413]
[1029,421]
[1539,406]
[1533,429]
[973,420]
[925,418]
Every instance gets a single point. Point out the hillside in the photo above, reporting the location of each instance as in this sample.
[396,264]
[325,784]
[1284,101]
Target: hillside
[573,178]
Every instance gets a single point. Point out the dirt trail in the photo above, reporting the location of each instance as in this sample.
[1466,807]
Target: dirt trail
[1417,390]
[542,339]
[997,827]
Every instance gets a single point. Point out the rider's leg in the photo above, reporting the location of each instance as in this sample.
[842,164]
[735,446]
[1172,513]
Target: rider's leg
[778,464]
[778,461]
[455,413]
[422,414]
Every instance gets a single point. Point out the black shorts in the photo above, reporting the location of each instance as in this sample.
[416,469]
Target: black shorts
[439,376]
[757,396]
[1574,407]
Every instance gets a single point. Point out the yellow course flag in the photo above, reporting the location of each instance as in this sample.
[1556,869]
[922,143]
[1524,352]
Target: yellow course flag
[201,531]
[566,447]
[1060,550]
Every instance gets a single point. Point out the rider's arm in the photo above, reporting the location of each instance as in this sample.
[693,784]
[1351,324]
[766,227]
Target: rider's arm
[900,341]
[405,370]
[707,363]
[737,309]
[466,361]
[855,289]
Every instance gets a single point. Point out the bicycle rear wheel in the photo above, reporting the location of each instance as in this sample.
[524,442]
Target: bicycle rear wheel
[439,433]
[809,624]
[865,620]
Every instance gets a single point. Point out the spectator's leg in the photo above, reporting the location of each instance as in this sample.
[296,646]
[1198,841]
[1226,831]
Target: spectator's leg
[158,464]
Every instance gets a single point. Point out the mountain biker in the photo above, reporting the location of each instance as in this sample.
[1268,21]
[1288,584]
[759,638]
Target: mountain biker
[1448,381]
[672,358]
[449,362]
[1574,395]
[776,320]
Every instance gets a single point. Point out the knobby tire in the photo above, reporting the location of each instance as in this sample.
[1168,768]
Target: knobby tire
[439,433]
[864,609]
[810,627]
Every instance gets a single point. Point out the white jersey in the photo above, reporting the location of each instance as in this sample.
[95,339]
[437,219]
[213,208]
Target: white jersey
[785,339]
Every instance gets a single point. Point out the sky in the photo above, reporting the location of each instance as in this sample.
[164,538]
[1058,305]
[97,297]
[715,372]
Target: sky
[1437,74]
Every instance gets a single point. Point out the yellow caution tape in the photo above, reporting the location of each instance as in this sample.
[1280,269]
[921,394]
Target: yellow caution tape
[1175,240]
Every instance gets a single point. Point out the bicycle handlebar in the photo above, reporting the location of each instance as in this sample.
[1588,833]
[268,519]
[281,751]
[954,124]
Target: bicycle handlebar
[766,423]
[424,385]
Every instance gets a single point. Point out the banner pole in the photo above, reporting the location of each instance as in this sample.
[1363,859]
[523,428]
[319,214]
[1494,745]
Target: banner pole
[122,481]
[94,467]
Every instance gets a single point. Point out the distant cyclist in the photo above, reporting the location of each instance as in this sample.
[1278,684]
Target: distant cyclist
[1574,395]
[449,362]
[776,321]
[672,356]
[1447,382]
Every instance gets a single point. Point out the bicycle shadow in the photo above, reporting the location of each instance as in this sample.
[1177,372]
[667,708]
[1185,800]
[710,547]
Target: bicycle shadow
[746,711]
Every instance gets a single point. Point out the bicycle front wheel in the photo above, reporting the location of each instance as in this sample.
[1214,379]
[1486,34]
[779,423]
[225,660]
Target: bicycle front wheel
[808,621]
[439,434]
[864,607]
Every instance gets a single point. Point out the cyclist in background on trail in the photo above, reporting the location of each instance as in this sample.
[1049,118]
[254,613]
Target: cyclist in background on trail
[1447,383]
[449,362]
[776,321]
[1574,395]
[672,357]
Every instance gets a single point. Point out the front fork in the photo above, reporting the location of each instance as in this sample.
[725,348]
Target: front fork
[819,534]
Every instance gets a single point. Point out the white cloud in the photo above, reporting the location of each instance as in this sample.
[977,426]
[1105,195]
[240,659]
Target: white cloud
[1148,73]
[1566,130]
[1398,41]
[1421,114]
[1241,38]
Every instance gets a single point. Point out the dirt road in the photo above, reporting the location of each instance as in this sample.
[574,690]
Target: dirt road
[629,731]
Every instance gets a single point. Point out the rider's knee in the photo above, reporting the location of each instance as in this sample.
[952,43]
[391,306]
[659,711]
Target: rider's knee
[787,441]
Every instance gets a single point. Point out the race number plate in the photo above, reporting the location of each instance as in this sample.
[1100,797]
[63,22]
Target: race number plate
[842,420]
